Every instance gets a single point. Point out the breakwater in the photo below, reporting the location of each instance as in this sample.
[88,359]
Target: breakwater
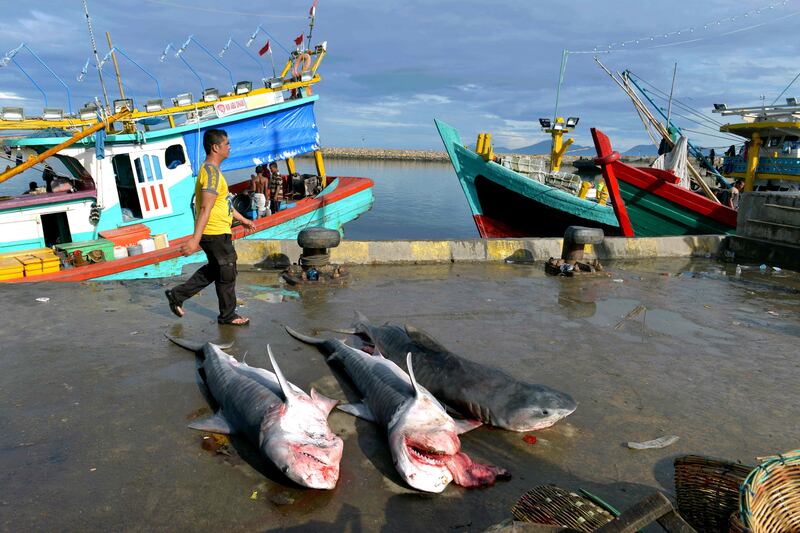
[388,154]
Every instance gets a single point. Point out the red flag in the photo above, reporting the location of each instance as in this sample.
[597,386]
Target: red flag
[313,10]
[265,49]
[299,40]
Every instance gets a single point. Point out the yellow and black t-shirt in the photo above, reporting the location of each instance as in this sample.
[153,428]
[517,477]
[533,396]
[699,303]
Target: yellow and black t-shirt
[210,179]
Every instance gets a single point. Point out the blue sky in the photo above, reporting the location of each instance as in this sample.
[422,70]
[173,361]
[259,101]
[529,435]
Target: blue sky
[395,65]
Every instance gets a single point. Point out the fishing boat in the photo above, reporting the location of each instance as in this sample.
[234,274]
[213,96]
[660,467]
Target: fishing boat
[650,202]
[770,157]
[517,197]
[124,176]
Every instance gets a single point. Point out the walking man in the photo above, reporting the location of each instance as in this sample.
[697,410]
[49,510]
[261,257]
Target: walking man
[214,215]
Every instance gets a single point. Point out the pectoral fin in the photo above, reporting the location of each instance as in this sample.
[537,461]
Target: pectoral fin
[323,402]
[213,424]
[358,409]
[463,425]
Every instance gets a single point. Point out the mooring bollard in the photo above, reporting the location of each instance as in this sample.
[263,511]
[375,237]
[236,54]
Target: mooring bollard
[575,240]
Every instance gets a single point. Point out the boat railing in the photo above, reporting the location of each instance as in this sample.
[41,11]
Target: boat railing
[766,165]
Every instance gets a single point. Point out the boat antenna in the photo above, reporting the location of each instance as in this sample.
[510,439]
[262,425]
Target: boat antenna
[672,89]
[96,57]
[311,15]
[785,89]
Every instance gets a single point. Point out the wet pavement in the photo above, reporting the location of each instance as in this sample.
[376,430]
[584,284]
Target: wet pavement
[94,402]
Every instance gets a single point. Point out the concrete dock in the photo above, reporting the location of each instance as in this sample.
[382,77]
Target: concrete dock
[95,402]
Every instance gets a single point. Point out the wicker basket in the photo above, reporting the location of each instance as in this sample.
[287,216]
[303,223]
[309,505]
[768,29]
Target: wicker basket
[736,524]
[707,491]
[770,497]
[555,506]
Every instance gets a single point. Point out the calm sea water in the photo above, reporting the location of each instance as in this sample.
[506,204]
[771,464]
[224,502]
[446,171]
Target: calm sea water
[413,200]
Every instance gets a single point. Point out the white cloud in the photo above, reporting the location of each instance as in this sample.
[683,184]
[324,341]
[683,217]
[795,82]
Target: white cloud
[10,96]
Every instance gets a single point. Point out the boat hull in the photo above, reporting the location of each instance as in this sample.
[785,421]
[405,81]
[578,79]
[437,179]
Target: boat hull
[505,203]
[657,207]
[342,201]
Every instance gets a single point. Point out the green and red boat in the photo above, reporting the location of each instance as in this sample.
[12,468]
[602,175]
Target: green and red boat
[506,203]
[650,203]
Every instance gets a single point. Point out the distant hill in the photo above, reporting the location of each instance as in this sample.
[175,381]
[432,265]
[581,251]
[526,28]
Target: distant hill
[643,150]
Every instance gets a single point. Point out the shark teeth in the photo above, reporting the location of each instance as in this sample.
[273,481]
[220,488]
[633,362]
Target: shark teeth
[427,456]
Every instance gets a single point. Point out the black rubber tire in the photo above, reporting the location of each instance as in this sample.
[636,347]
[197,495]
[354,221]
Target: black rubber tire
[582,235]
[318,238]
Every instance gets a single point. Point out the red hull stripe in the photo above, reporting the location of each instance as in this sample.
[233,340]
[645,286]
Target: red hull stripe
[155,200]
[144,197]
[163,196]
[347,187]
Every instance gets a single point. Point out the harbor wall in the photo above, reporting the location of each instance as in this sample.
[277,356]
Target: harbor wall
[276,252]
[767,229]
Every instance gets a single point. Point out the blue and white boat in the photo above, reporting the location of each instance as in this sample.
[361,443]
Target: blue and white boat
[139,170]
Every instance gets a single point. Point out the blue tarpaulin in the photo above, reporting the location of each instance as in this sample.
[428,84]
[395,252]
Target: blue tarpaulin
[258,140]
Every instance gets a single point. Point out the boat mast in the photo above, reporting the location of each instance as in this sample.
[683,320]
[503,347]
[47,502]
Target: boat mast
[96,57]
[672,89]
[116,65]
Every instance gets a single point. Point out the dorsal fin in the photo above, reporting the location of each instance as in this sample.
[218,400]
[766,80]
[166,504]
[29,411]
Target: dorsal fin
[288,393]
[411,375]
[423,339]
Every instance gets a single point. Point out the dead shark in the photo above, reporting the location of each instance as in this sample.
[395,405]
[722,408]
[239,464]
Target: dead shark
[289,426]
[423,438]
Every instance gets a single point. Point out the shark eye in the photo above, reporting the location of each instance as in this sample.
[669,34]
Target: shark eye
[545,412]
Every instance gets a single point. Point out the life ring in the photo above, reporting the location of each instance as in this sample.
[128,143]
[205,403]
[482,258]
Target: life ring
[296,70]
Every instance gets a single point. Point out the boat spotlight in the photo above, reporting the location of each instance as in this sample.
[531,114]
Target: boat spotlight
[210,95]
[183,99]
[123,103]
[88,112]
[12,113]
[572,122]
[720,107]
[151,106]
[243,87]
[545,122]
[274,83]
[52,113]
[791,101]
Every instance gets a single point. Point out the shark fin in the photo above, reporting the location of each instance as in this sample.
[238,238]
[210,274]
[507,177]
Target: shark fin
[411,375]
[213,424]
[286,388]
[358,409]
[464,425]
[323,402]
[423,339]
[195,346]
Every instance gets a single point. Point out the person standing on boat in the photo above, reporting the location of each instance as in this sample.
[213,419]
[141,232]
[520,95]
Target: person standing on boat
[275,187]
[214,215]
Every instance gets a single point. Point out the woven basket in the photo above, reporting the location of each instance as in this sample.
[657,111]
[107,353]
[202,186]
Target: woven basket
[770,497]
[555,506]
[736,524]
[707,491]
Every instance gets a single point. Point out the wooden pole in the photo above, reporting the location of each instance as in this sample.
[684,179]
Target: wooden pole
[116,66]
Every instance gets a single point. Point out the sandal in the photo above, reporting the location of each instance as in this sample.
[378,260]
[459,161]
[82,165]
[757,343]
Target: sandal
[235,321]
[174,306]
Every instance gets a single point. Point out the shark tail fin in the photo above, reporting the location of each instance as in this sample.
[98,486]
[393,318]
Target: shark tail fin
[194,346]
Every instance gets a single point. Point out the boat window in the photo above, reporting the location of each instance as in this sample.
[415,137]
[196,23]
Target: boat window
[157,167]
[773,141]
[139,173]
[122,170]
[147,169]
[174,156]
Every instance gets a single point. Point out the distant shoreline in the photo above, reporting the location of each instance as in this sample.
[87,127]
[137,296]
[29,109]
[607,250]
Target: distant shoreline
[428,155]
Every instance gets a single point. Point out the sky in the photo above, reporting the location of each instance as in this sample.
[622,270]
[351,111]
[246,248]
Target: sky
[393,66]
